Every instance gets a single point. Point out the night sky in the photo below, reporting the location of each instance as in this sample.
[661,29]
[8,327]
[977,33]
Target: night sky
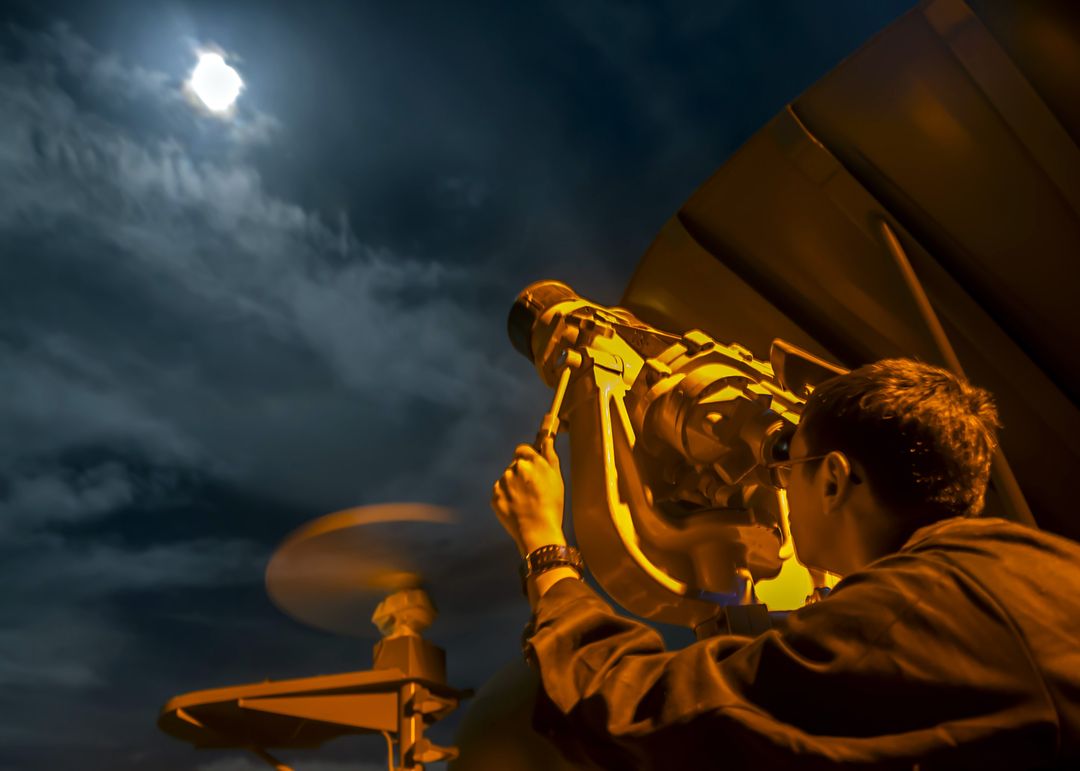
[213,330]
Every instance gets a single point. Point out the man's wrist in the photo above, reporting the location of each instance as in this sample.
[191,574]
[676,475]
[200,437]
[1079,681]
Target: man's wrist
[539,584]
[530,542]
[548,558]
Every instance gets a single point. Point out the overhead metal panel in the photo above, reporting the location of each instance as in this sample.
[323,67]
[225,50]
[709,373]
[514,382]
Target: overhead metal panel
[937,128]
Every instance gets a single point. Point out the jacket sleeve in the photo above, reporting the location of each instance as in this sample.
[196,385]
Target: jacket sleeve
[884,673]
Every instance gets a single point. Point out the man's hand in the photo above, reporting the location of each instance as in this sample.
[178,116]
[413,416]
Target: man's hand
[528,498]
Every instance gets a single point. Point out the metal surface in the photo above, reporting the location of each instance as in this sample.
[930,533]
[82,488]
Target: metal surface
[298,713]
[1001,475]
[673,508]
[305,713]
[958,126]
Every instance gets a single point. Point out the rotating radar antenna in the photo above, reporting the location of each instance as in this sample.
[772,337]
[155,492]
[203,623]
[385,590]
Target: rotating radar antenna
[342,573]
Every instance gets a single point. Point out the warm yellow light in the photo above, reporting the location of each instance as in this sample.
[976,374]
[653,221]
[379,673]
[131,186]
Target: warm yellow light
[788,590]
[215,82]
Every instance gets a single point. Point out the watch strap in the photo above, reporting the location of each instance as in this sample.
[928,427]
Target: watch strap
[547,557]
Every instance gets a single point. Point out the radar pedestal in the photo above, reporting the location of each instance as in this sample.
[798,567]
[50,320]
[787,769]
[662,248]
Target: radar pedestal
[401,617]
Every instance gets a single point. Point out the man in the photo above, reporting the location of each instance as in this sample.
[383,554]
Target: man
[952,642]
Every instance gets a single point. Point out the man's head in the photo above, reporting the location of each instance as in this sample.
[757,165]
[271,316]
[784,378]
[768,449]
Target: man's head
[906,444]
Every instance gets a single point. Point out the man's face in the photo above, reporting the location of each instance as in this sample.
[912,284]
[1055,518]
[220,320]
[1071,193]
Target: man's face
[805,504]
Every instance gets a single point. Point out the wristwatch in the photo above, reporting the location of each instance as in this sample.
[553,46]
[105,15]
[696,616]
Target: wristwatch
[547,557]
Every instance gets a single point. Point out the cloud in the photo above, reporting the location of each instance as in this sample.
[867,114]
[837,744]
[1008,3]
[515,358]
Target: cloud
[58,647]
[39,496]
[117,87]
[179,251]
[57,627]
[464,192]
[60,395]
[168,318]
[79,570]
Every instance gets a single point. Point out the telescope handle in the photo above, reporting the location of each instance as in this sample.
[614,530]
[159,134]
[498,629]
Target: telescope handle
[549,426]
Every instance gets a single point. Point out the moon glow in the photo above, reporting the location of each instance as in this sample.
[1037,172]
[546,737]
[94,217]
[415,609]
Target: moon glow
[215,82]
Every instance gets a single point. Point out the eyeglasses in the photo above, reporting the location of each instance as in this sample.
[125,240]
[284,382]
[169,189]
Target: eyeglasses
[781,469]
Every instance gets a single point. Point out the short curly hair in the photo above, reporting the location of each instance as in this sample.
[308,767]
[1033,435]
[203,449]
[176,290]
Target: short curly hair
[924,436]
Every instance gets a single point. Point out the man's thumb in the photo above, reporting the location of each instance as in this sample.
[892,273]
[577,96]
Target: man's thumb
[547,449]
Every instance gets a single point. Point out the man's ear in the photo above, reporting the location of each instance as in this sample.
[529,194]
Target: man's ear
[838,481]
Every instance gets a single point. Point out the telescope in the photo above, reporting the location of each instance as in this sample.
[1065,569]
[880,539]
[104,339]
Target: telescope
[675,510]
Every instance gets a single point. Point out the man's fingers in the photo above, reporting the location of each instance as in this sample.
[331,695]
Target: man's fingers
[501,491]
[526,452]
[499,500]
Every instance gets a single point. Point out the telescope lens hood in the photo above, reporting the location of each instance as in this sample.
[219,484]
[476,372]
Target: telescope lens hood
[520,326]
[530,305]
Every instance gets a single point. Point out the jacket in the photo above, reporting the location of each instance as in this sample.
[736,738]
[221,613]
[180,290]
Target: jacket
[961,650]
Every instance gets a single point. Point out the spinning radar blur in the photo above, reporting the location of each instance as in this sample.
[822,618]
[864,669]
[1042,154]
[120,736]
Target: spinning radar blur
[334,571]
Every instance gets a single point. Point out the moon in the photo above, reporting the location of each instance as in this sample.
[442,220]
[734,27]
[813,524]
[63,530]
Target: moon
[215,83]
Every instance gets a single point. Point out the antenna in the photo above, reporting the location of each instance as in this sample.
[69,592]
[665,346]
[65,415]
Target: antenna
[342,573]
